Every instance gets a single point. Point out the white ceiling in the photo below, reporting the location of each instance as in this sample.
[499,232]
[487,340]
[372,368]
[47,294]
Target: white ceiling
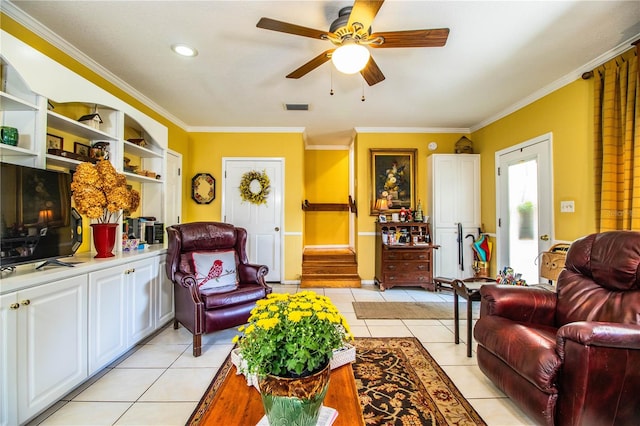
[499,56]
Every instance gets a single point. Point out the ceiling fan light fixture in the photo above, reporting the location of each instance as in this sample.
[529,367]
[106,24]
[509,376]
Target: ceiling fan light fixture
[350,58]
[184,50]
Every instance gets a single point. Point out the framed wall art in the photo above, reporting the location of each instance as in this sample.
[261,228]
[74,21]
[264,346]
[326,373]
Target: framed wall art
[393,179]
[81,149]
[203,188]
[54,142]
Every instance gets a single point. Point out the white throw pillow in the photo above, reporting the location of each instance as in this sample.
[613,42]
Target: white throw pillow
[215,269]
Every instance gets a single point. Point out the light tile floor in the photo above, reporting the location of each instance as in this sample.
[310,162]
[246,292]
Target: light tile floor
[159,382]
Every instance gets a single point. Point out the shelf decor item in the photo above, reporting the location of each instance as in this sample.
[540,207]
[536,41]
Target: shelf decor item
[9,135]
[393,178]
[288,344]
[54,142]
[82,149]
[104,239]
[255,187]
[102,194]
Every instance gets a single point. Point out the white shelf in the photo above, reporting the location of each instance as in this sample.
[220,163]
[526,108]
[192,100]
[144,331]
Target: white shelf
[12,103]
[56,160]
[9,150]
[133,149]
[68,125]
[139,178]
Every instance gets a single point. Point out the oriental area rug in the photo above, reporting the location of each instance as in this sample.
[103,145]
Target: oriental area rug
[412,310]
[398,383]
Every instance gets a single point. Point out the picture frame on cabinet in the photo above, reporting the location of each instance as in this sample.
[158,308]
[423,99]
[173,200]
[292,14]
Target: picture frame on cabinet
[393,178]
[81,149]
[54,142]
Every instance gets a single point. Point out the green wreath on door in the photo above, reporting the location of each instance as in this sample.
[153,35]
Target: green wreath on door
[255,187]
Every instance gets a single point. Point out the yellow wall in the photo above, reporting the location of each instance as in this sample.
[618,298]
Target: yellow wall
[208,150]
[326,180]
[568,115]
[365,245]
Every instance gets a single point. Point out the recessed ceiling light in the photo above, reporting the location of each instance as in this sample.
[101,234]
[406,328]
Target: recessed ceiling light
[184,50]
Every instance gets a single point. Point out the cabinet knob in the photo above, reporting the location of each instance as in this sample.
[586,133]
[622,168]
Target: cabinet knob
[129,271]
[14,306]
[25,302]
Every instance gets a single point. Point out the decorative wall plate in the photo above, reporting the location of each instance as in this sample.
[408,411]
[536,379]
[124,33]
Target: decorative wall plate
[203,188]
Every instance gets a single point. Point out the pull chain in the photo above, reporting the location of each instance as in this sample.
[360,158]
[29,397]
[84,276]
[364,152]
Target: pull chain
[363,98]
[331,74]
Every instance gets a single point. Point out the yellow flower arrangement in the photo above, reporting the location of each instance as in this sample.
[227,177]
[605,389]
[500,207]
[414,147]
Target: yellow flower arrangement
[289,334]
[99,192]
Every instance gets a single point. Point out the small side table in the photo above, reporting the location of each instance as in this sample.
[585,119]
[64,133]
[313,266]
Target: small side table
[468,289]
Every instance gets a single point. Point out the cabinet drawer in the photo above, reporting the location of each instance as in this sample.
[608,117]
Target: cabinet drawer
[405,267]
[419,255]
[402,277]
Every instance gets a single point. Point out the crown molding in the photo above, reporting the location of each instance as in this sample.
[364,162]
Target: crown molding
[49,36]
[411,130]
[558,84]
[222,129]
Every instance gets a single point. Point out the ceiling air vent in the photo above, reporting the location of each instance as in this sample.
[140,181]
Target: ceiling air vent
[296,107]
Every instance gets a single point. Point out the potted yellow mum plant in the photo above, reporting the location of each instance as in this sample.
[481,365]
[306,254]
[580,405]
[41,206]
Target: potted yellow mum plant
[101,193]
[288,344]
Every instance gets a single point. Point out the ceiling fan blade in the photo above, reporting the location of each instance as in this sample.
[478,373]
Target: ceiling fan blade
[312,64]
[364,12]
[413,38]
[285,27]
[371,73]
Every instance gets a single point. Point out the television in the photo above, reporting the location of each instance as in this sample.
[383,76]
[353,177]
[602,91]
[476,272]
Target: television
[37,222]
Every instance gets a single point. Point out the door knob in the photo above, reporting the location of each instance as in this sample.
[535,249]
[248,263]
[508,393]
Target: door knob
[276,229]
[544,237]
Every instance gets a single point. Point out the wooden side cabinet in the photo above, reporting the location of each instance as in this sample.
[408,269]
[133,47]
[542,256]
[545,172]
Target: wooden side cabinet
[404,255]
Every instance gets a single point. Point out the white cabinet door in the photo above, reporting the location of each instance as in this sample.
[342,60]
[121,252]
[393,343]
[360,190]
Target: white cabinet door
[454,189]
[165,310]
[8,353]
[52,343]
[468,191]
[447,258]
[141,278]
[107,317]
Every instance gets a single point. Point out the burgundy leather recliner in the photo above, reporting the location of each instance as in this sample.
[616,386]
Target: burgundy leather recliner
[570,357]
[205,311]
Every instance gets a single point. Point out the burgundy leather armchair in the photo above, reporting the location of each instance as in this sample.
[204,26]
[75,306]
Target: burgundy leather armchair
[200,310]
[570,357]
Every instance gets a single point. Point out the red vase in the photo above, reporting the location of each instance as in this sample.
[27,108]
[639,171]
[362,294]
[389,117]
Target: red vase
[104,239]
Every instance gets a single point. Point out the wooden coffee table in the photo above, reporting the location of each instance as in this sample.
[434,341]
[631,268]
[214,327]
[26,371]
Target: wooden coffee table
[237,404]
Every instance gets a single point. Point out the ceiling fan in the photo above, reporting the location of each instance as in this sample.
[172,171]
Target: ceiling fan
[352,29]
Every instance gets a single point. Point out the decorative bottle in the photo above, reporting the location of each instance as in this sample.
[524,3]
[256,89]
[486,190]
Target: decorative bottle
[418,216]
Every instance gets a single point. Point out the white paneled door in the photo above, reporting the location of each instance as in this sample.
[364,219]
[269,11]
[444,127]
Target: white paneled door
[263,222]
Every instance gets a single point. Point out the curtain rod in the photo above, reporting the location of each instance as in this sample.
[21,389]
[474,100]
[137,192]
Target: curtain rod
[589,74]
